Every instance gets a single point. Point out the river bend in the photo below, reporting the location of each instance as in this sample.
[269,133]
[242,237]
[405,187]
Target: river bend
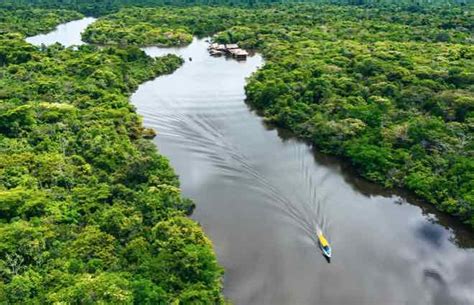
[261,194]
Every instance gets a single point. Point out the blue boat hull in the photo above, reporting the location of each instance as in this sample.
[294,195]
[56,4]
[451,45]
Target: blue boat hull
[326,252]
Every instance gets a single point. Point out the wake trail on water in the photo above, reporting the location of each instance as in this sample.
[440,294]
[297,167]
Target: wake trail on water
[201,135]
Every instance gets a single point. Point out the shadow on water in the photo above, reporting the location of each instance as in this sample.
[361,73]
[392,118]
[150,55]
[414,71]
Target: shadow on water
[462,234]
[261,195]
[203,137]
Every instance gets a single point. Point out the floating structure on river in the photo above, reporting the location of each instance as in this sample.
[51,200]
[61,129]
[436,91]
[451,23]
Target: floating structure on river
[232,49]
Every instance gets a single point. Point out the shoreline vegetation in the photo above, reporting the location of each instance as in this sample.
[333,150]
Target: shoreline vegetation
[89,210]
[118,30]
[34,21]
[390,89]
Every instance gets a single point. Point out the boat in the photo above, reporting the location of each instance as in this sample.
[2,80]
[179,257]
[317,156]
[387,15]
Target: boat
[324,245]
[216,53]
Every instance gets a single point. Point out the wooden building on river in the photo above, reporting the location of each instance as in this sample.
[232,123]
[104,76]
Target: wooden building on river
[230,49]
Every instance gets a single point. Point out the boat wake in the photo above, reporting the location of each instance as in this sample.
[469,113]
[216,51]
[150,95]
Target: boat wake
[202,135]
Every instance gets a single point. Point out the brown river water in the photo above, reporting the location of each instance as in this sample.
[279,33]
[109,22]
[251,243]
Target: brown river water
[261,195]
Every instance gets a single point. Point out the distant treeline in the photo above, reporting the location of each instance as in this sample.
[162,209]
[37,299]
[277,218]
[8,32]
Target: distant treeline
[100,7]
[390,89]
[34,21]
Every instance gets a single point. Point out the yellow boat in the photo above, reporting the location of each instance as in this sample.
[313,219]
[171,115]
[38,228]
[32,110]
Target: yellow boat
[324,245]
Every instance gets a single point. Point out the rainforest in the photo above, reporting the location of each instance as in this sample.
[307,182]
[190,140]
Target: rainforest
[92,213]
[389,89]
[89,210]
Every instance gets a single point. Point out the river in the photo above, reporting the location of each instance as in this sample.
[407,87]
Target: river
[68,34]
[261,194]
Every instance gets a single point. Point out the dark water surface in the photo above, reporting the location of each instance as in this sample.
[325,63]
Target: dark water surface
[261,196]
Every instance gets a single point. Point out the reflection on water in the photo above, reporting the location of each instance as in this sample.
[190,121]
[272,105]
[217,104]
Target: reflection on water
[261,195]
[68,34]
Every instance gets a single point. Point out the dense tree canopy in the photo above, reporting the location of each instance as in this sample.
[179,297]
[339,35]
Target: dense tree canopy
[389,88]
[101,7]
[127,27]
[394,93]
[33,21]
[90,213]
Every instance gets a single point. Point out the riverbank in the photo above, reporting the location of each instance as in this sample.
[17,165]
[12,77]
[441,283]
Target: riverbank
[356,87]
[353,177]
[90,210]
[34,21]
[262,222]
[375,107]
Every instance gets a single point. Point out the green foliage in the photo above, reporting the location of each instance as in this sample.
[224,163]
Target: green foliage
[390,88]
[102,7]
[104,288]
[378,87]
[90,213]
[127,29]
[33,21]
